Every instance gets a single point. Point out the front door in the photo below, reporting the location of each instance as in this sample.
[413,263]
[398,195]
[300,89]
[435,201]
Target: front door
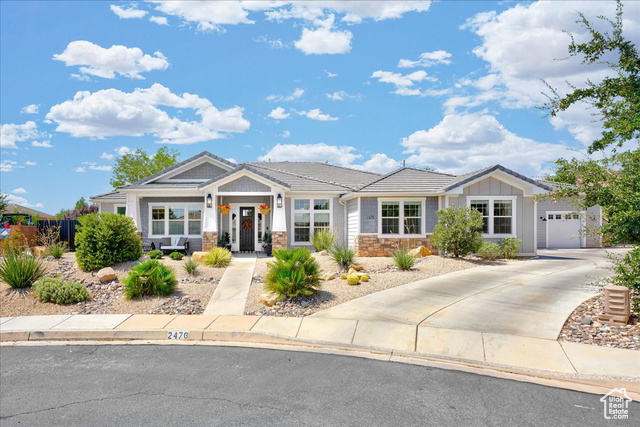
[247,220]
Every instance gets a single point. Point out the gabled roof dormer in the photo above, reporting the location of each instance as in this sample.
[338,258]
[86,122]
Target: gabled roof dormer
[200,168]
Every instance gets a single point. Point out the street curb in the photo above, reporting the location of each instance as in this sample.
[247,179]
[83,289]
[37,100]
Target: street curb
[277,342]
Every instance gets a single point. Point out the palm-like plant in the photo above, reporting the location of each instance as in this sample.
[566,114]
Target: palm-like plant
[294,273]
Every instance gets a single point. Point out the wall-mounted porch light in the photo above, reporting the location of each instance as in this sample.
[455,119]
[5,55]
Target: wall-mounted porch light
[279,201]
[209,201]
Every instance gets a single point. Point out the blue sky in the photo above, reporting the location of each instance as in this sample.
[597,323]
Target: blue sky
[449,85]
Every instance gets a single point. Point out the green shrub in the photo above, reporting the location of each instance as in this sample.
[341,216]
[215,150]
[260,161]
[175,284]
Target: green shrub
[176,256]
[155,254]
[294,273]
[353,280]
[323,239]
[15,242]
[217,257]
[57,291]
[149,278]
[626,272]
[343,255]
[402,259]
[106,239]
[20,269]
[489,251]
[510,247]
[57,250]
[458,231]
[190,265]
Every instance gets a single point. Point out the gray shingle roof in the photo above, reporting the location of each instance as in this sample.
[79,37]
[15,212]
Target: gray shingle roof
[408,180]
[240,167]
[113,195]
[463,179]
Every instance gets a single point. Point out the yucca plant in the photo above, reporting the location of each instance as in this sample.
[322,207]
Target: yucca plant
[323,239]
[190,265]
[402,259]
[217,257]
[294,273]
[343,255]
[58,249]
[149,278]
[20,269]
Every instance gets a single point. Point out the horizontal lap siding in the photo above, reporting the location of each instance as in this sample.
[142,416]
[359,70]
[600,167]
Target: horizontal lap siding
[431,207]
[368,215]
[352,221]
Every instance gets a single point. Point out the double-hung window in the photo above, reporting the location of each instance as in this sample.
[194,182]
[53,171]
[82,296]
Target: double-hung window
[401,217]
[175,220]
[310,216]
[498,214]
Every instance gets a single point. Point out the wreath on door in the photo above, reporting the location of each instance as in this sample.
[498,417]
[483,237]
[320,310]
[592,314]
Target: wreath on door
[246,224]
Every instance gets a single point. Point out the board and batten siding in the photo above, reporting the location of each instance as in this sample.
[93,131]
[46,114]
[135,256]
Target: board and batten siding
[592,220]
[368,215]
[524,206]
[430,218]
[195,244]
[352,222]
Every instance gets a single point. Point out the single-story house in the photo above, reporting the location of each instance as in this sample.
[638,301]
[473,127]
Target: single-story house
[371,212]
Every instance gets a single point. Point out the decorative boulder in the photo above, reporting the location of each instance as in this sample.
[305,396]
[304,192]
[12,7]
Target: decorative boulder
[353,280]
[270,298]
[324,253]
[198,256]
[106,275]
[39,251]
[356,267]
[420,252]
[329,276]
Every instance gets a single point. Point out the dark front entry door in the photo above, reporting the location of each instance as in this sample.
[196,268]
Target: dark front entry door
[247,221]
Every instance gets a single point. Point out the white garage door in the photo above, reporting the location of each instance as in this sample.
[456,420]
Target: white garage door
[563,230]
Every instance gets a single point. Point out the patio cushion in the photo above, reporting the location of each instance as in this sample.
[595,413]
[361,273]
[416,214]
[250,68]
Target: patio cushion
[182,241]
[166,241]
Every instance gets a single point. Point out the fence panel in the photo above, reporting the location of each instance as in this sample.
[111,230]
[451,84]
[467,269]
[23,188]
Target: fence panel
[67,230]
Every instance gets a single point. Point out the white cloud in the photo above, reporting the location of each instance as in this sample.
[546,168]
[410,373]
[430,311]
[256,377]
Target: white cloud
[11,133]
[106,63]
[106,156]
[316,114]
[427,59]
[9,166]
[341,95]
[19,190]
[330,74]
[273,43]
[100,168]
[324,39]
[160,20]
[111,112]
[320,152]
[279,114]
[380,163]
[464,142]
[23,202]
[297,93]
[121,151]
[80,169]
[30,109]
[29,163]
[405,83]
[81,77]
[130,13]
[286,134]
[43,144]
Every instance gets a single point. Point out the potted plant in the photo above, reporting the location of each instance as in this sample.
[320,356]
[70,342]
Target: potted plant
[266,243]
[264,209]
[224,209]
[224,241]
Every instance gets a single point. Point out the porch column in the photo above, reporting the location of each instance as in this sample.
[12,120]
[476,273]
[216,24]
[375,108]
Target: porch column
[132,210]
[279,226]
[209,223]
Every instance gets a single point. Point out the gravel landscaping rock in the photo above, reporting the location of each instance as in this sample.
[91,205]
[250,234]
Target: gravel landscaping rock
[583,327]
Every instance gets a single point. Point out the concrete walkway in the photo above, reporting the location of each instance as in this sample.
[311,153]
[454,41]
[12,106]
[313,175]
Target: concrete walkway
[390,338]
[230,296]
[525,298]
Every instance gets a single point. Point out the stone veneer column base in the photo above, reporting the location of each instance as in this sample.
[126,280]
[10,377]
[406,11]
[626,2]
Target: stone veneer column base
[371,245]
[209,240]
[278,240]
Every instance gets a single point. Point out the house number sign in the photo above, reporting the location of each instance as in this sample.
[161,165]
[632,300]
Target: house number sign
[177,335]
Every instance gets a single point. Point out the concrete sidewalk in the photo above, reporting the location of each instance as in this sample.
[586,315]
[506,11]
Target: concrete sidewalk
[230,296]
[478,348]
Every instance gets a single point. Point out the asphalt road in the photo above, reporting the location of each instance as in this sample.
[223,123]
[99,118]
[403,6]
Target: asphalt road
[198,385]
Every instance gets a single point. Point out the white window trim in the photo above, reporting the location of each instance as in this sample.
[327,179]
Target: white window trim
[491,200]
[400,218]
[120,205]
[311,217]
[168,206]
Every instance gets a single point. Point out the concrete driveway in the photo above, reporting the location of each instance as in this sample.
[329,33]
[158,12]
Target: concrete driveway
[531,298]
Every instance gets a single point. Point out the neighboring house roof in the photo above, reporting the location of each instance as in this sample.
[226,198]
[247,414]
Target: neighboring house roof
[14,208]
[111,196]
[182,163]
[468,177]
[557,185]
[408,180]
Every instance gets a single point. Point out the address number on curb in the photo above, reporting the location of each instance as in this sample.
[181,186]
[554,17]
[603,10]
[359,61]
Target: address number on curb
[177,335]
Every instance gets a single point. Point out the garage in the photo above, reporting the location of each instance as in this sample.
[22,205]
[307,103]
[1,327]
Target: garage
[563,230]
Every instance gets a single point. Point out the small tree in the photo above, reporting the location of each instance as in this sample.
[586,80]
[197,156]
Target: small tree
[137,165]
[105,239]
[458,231]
